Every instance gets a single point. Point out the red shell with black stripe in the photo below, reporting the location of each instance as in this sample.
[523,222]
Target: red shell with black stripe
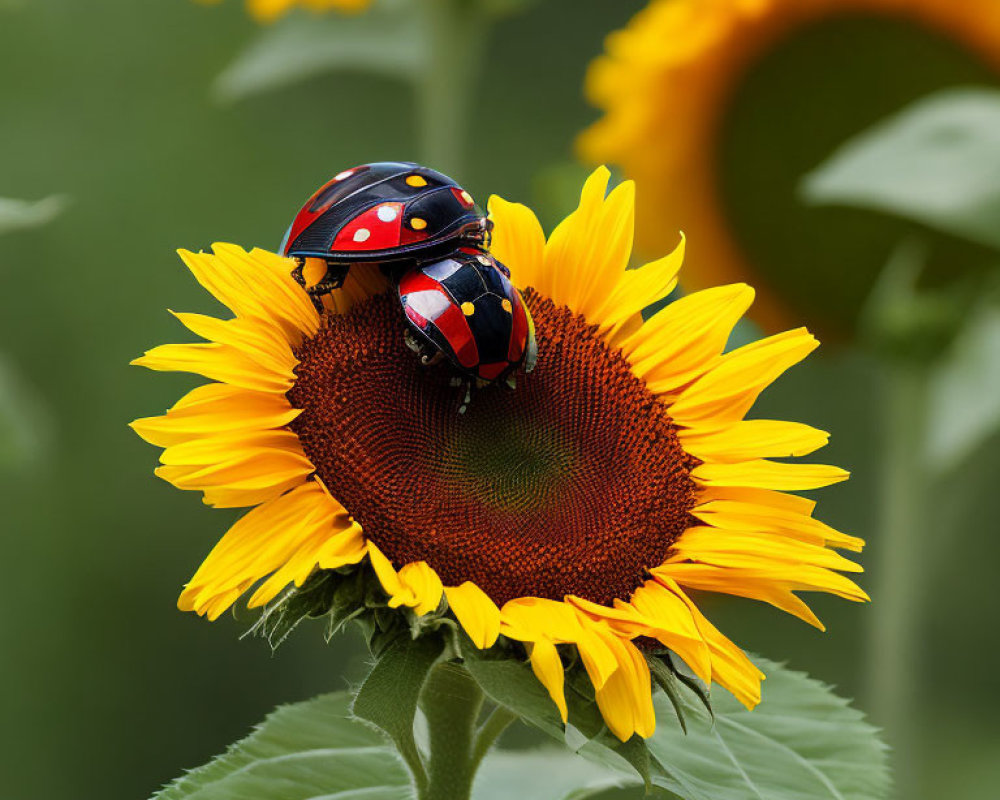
[466,307]
[386,211]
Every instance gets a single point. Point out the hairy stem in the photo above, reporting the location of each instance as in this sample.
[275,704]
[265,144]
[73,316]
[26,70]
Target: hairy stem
[451,702]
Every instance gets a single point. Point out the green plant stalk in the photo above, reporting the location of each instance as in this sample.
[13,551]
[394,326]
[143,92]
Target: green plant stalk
[894,652]
[451,702]
[456,32]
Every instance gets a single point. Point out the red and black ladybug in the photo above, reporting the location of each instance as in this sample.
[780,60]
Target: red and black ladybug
[464,308]
[393,213]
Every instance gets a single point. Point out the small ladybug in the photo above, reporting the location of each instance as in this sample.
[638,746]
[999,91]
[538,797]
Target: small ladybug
[394,213]
[465,309]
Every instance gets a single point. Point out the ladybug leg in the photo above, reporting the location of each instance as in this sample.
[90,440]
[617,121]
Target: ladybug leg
[300,279]
[468,397]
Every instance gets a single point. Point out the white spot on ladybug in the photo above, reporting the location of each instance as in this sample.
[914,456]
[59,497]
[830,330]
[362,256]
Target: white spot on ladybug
[347,173]
[483,260]
[362,234]
[387,213]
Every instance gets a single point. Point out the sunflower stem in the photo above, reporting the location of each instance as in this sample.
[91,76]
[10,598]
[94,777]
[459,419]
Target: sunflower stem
[894,646]
[451,702]
[457,32]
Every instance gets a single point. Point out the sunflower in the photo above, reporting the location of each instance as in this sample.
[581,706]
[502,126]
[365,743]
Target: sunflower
[576,511]
[270,10]
[687,80]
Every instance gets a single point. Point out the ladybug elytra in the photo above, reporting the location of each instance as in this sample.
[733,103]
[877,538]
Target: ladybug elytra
[464,308]
[424,232]
[393,213]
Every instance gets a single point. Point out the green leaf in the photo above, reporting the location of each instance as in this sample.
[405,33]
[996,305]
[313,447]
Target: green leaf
[513,685]
[388,697]
[18,214]
[307,750]
[802,742]
[388,39]
[965,393]
[936,162]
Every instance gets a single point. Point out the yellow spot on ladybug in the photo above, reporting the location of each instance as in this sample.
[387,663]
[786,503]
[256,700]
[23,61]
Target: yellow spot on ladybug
[416,181]
[362,234]
[347,173]
[467,197]
[387,213]
[505,305]
[468,309]
[418,224]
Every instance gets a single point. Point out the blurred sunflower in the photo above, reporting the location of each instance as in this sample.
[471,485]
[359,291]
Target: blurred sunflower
[717,108]
[270,10]
[576,510]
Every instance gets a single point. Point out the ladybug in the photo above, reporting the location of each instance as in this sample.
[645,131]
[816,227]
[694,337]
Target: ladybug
[464,308]
[394,213]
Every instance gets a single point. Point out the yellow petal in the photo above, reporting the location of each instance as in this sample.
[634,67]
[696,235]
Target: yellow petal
[257,341]
[548,668]
[684,340]
[416,585]
[752,439]
[764,474]
[476,612]
[213,409]
[726,393]
[626,700]
[738,514]
[731,668]
[518,241]
[260,542]
[635,290]
[424,587]
[216,362]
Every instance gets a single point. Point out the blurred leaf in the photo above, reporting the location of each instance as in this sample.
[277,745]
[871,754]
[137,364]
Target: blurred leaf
[542,774]
[17,214]
[307,750]
[965,393]
[936,162]
[25,423]
[388,39]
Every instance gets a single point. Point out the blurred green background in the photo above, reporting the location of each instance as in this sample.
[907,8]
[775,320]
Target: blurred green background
[108,103]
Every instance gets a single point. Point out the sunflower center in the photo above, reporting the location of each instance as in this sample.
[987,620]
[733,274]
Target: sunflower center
[574,483]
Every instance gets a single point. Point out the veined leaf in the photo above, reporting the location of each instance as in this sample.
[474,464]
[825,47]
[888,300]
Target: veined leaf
[936,162]
[307,750]
[803,742]
[387,39]
[546,774]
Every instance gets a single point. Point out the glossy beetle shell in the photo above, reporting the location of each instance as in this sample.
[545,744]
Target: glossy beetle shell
[385,211]
[466,307]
